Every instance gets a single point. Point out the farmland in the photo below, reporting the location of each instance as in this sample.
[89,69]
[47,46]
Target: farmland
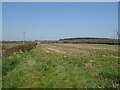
[0,49]
[57,65]
[8,48]
[10,45]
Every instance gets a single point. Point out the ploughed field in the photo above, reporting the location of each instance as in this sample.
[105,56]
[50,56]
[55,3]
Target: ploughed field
[62,66]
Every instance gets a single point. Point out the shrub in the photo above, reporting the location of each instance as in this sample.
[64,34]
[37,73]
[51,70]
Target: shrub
[26,46]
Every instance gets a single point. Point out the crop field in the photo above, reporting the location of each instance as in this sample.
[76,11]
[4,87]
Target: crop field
[4,46]
[10,45]
[62,66]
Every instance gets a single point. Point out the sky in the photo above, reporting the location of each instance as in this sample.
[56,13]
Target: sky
[0,21]
[54,21]
[60,0]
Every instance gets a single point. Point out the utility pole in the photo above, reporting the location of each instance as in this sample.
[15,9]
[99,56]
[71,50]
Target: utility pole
[116,39]
[115,36]
[23,37]
[118,34]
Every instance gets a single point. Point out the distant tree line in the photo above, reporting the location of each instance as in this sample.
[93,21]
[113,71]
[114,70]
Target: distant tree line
[14,41]
[83,38]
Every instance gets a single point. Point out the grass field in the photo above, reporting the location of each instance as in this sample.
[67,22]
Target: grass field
[10,45]
[62,66]
[0,49]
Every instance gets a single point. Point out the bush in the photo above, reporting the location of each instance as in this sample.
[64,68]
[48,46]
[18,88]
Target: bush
[26,46]
[9,64]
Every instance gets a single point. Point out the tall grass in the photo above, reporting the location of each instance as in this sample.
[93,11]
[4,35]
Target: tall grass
[10,63]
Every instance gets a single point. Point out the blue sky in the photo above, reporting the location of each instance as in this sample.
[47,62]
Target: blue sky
[0,21]
[53,21]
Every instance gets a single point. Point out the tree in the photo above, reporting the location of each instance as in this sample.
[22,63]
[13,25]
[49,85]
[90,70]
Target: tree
[118,33]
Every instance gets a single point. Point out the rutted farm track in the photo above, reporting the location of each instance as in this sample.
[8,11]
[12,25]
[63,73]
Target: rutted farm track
[63,49]
[63,65]
[77,48]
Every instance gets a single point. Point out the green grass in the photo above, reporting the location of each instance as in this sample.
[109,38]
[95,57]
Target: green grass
[62,66]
